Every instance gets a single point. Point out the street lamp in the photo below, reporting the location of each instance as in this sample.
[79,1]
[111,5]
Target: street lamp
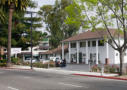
[31,14]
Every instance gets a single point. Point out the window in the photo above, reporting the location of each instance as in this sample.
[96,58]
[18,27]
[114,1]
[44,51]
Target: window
[93,43]
[101,43]
[88,43]
[82,44]
[73,45]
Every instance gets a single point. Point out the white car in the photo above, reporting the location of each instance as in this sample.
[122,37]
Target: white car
[29,60]
[55,59]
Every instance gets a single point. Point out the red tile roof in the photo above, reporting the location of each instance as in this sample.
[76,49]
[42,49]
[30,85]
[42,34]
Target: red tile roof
[90,35]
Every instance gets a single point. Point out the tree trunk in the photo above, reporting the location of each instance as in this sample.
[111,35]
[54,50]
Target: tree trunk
[121,63]
[9,37]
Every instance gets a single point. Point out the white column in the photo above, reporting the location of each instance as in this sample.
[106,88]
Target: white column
[96,51]
[77,45]
[107,50]
[62,50]
[86,52]
[69,52]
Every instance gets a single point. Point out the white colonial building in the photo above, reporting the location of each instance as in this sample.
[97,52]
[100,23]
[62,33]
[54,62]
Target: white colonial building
[91,46]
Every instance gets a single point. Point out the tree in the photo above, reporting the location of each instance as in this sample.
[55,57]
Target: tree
[54,18]
[21,31]
[2,16]
[11,5]
[108,13]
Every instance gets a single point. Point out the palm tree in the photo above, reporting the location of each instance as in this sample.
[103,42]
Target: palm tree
[2,16]
[12,5]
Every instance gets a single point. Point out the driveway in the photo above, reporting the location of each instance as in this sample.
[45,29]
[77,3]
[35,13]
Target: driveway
[77,67]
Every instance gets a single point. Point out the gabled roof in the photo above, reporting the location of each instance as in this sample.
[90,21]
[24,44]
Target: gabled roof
[90,35]
[56,50]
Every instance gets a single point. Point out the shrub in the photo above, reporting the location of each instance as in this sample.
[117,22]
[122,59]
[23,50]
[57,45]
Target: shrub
[107,68]
[95,68]
[3,63]
[111,69]
[14,60]
[26,63]
[52,64]
[40,64]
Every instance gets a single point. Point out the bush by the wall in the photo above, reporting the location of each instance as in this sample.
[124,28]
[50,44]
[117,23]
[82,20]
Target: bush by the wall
[107,68]
[95,68]
[40,64]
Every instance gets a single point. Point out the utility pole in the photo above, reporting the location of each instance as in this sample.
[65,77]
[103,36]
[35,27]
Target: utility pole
[31,25]
[31,40]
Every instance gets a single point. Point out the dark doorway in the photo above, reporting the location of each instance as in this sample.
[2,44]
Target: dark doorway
[80,57]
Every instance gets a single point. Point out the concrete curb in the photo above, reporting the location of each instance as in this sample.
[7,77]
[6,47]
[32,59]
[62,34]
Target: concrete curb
[9,68]
[106,77]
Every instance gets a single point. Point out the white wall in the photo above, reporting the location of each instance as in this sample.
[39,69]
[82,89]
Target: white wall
[101,51]
[117,57]
[111,55]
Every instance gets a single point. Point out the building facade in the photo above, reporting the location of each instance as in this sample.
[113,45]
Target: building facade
[90,46]
[57,52]
[43,46]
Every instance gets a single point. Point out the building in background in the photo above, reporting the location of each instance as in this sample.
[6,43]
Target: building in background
[57,52]
[43,46]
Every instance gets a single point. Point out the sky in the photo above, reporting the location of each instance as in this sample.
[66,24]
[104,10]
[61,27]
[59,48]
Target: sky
[44,2]
[39,4]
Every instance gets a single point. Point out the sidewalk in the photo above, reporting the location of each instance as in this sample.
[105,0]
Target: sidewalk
[63,71]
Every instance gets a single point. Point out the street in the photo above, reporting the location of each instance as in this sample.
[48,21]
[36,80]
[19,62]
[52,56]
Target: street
[34,80]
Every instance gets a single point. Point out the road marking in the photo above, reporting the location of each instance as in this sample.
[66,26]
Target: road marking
[12,88]
[70,84]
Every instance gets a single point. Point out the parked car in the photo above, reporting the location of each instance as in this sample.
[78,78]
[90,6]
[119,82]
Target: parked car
[57,61]
[29,60]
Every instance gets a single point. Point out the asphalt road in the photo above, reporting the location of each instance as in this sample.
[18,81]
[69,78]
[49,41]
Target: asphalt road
[33,80]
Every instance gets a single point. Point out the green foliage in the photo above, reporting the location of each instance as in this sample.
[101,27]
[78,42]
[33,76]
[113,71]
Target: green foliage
[95,68]
[15,60]
[40,64]
[111,69]
[18,5]
[3,62]
[107,68]
[55,18]
[20,30]
[2,16]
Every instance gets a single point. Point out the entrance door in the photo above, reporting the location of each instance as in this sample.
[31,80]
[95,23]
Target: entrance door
[80,57]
